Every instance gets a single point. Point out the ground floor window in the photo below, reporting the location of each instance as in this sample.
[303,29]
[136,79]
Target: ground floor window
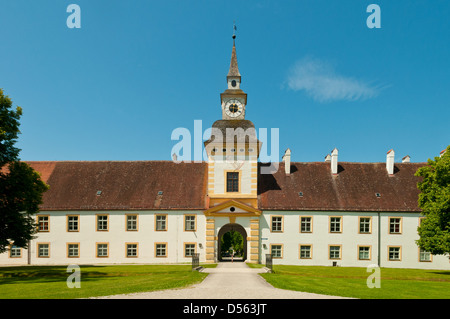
[424,255]
[161,250]
[73,250]
[189,250]
[102,250]
[276,251]
[394,253]
[305,251]
[335,252]
[363,252]
[15,252]
[43,250]
[132,250]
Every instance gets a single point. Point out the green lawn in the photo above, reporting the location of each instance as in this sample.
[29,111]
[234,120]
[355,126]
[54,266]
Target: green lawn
[352,282]
[49,282]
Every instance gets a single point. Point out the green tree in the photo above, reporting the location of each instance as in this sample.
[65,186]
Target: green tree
[232,239]
[434,200]
[21,188]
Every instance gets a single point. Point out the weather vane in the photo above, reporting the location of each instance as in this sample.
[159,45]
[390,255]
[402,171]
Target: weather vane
[234,30]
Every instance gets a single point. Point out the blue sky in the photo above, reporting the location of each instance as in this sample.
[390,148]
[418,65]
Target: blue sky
[116,88]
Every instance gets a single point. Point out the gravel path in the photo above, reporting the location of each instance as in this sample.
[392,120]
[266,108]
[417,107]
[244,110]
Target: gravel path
[227,281]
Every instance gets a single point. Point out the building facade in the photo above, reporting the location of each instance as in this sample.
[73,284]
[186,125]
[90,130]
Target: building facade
[327,213]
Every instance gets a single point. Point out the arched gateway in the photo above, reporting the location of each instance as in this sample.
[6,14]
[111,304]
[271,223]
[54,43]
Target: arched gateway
[232,227]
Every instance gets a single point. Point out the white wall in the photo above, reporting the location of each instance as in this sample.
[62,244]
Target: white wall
[117,237]
[349,239]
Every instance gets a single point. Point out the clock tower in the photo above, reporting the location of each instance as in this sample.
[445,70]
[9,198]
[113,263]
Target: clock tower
[233,100]
[232,186]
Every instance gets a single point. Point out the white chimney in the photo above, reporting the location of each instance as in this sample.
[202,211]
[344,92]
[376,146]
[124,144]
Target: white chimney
[328,158]
[287,161]
[334,161]
[406,159]
[390,162]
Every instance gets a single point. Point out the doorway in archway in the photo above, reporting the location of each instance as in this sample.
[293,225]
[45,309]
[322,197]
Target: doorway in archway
[232,238]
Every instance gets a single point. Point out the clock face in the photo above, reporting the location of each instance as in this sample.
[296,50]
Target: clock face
[233,108]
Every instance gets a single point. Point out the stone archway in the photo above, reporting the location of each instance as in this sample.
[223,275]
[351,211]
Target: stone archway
[226,228]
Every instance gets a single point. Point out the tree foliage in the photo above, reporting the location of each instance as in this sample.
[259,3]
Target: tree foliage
[21,188]
[434,200]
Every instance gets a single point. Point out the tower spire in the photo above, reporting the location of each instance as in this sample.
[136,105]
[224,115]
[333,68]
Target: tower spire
[234,70]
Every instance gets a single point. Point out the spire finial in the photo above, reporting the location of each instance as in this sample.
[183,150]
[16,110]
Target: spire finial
[234,30]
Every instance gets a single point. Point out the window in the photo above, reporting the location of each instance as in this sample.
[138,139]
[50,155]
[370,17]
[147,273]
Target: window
[161,222]
[43,223]
[132,222]
[102,249]
[277,223]
[305,251]
[189,222]
[161,250]
[335,225]
[132,250]
[73,250]
[276,251]
[102,222]
[72,223]
[232,181]
[43,250]
[306,224]
[15,252]
[395,225]
[424,255]
[364,252]
[189,250]
[364,225]
[394,253]
[335,252]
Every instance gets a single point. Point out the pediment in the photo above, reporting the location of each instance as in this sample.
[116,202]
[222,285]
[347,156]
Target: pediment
[232,208]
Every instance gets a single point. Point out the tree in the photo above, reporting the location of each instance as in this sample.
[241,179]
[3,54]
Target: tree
[434,200]
[21,188]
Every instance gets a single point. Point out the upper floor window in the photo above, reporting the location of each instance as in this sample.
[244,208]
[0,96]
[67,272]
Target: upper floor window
[277,223]
[161,222]
[102,222]
[43,223]
[189,222]
[306,224]
[232,181]
[395,225]
[72,223]
[364,225]
[335,224]
[131,222]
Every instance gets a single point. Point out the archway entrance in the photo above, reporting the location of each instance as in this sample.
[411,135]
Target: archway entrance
[232,237]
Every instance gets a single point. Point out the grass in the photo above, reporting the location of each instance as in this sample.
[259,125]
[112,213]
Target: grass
[49,282]
[352,282]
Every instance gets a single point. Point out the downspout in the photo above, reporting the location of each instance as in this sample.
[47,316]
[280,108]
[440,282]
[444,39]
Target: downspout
[379,239]
[29,253]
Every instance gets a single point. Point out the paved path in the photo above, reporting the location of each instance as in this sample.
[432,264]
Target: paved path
[227,281]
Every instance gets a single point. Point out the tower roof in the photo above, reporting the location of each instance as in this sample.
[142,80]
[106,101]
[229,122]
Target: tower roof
[234,70]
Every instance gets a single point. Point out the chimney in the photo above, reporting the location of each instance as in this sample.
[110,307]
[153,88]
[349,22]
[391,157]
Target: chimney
[390,162]
[287,161]
[334,161]
[406,159]
[328,158]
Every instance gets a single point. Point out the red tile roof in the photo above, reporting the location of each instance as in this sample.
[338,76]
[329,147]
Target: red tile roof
[135,185]
[123,185]
[354,188]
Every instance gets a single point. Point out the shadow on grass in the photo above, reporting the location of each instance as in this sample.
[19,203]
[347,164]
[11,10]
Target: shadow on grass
[43,274]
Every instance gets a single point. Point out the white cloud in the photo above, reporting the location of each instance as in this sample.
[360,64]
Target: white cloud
[319,80]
